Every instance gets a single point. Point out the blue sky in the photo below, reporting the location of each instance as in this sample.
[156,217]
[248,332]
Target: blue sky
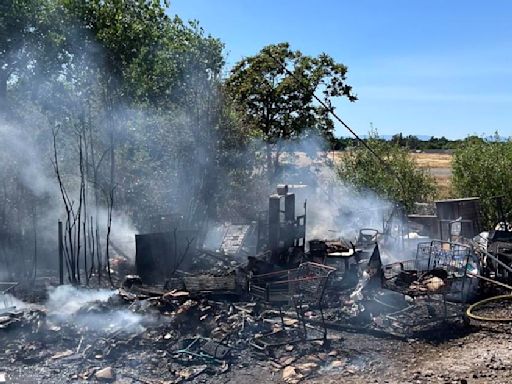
[422,67]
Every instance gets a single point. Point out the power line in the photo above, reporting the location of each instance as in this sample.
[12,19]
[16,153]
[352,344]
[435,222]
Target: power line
[330,109]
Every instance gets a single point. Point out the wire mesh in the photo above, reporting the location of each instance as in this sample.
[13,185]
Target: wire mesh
[309,281]
[437,265]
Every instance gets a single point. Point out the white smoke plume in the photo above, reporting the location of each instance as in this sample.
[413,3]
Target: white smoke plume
[334,208]
[87,308]
[66,300]
[8,301]
[23,154]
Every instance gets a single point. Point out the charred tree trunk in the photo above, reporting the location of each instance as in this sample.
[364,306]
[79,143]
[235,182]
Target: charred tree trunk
[109,228]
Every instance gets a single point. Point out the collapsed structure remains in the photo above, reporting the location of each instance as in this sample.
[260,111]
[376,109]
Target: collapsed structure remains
[258,291]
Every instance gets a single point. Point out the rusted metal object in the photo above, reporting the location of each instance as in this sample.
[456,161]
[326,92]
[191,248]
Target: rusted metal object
[284,231]
[447,262]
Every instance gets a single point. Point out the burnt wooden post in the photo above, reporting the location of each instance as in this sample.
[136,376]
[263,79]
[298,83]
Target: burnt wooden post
[274,227]
[61,255]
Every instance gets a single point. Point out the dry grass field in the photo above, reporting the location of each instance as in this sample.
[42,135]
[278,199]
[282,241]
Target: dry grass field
[433,160]
[439,165]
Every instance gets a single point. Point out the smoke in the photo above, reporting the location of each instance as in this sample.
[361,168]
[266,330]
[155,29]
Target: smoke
[66,300]
[8,301]
[32,192]
[334,209]
[90,309]
[93,310]
[28,204]
[185,158]
[123,235]
[176,157]
[343,211]
[215,235]
[20,150]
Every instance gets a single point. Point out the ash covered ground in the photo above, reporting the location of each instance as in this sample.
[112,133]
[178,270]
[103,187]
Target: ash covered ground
[66,334]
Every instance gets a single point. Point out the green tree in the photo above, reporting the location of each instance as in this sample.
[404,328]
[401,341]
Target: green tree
[144,62]
[397,179]
[412,142]
[120,80]
[31,42]
[484,169]
[398,139]
[281,106]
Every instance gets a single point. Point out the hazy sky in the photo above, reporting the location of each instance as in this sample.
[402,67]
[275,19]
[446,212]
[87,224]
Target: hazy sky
[423,67]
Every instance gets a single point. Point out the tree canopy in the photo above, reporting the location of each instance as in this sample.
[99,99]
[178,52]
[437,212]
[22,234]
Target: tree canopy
[275,94]
[396,177]
[275,89]
[484,168]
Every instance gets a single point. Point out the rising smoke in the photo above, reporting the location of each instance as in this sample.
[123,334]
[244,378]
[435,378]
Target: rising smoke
[9,302]
[87,308]
[166,162]
[334,208]
[163,159]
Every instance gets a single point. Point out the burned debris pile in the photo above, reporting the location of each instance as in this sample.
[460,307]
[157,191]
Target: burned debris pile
[130,335]
[262,301]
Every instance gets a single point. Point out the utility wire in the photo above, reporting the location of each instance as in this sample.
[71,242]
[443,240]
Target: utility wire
[330,109]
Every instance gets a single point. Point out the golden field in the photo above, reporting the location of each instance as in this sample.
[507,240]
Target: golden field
[439,165]
[433,160]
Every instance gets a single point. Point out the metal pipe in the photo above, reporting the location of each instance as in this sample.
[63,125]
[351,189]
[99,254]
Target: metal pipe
[508,268]
[492,281]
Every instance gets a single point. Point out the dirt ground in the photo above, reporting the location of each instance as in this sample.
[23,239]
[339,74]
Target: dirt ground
[42,349]
[452,353]
[478,356]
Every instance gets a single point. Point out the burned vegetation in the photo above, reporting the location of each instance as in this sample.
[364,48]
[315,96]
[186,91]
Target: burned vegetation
[164,222]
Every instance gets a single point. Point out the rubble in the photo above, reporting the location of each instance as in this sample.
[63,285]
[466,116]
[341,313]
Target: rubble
[194,339]
[291,316]
[105,374]
[291,374]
